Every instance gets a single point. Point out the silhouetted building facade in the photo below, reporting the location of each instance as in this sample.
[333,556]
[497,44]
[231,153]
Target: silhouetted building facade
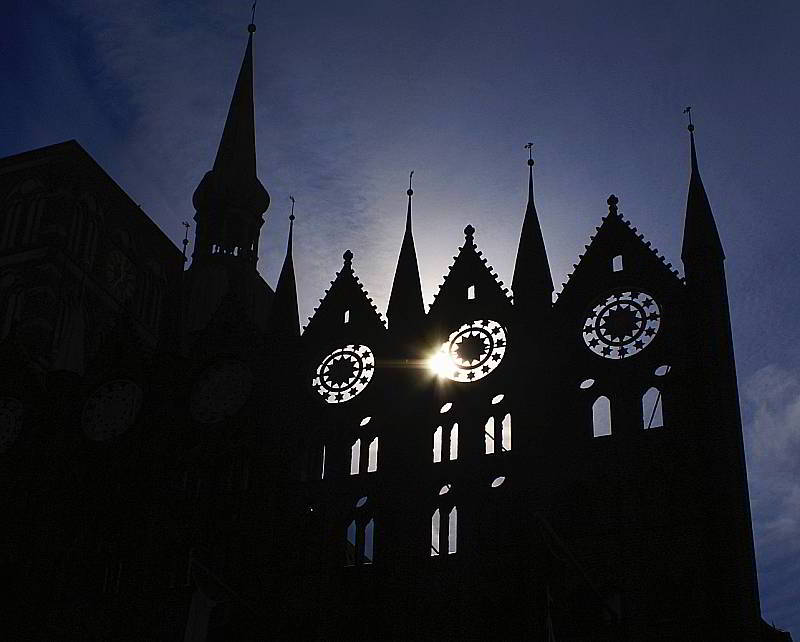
[179,462]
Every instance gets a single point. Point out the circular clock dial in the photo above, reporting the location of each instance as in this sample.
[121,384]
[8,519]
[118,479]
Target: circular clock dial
[473,351]
[622,324]
[344,373]
[120,275]
[111,409]
[221,391]
[10,422]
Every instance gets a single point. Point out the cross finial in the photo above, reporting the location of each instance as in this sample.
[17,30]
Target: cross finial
[291,216]
[529,147]
[185,238]
[688,111]
[410,191]
[252,26]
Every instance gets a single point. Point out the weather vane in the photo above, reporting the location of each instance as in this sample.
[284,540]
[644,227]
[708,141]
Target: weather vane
[185,238]
[410,191]
[529,147]
[688,110]
[291,216]
[253,15]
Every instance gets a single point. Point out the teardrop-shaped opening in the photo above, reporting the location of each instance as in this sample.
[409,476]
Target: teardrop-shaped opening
[497,399]
[662,370]
[444,489]
[365,421]
[446,407]
[361,502]
[498,481]
[586,384]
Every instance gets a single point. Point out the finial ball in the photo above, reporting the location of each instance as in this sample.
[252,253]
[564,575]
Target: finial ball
[410,192]
[469,231]
[251,28]
[530,162]
[347,256]
[612,200]
[690,127]
[291,217]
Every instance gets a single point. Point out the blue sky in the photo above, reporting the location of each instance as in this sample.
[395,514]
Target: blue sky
[351,96]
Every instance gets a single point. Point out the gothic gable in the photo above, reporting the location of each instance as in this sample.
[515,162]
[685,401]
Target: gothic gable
[470,289]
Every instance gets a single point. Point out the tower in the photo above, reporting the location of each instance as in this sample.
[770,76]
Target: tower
[230,202]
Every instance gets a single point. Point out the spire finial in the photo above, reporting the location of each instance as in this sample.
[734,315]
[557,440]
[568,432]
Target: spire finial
[688,111]
[410,191]
[185,238]
[348,258]
[529,147]
[251,28]
[291,215]
[612,204]
[469,232]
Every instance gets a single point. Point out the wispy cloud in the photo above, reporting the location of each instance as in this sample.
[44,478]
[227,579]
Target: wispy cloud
[771,399]
[167,74]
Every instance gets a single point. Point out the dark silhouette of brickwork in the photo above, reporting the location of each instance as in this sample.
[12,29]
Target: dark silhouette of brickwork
[179,462]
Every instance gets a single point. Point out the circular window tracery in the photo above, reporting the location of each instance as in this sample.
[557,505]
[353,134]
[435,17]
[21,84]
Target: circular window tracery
[344,373]
[11,412]
[471,352]
[622,324]
[111,409]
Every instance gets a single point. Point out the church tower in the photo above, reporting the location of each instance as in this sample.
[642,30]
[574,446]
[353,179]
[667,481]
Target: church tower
[230,203]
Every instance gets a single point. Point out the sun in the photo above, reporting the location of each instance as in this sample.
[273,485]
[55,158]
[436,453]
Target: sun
[441,364]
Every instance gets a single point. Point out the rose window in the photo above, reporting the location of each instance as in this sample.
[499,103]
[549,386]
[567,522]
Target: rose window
[471,352]
[11,412]
[622,324]
[111,409]
[344,373]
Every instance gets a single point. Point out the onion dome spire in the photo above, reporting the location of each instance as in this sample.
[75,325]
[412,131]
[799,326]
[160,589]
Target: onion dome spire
[231,196]
[700,235]
[406,308]
[532,279]
[285,318]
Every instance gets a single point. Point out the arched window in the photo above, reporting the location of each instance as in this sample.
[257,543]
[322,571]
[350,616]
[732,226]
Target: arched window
[454,442]
[497,443]
[355,457]
[444,541]
[601,417]
[437,445]
[372,464]
[445,442]
[360,537]
[652,416]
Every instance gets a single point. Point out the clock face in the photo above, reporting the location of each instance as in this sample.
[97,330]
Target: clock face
[344,373]
[221,391]
[10,422]
[120,275]
[621,324]
[111,409]
[471,352]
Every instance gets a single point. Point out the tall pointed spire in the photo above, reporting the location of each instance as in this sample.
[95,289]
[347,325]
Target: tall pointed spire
[532,279]
[231,194]
[406,308]
[285,319]
[700,235]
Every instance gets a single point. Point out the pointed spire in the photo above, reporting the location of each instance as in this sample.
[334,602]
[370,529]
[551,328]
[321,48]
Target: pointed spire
[285,318]
[405,303]
[700,235]
[232,183]
[531,271]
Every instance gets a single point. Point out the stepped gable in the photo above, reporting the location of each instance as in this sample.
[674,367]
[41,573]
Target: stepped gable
[616,236]
[346,295]
[469,268]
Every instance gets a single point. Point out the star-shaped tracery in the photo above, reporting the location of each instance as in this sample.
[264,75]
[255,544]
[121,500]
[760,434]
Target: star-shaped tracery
[471,352]
[622,324]
[344,373]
